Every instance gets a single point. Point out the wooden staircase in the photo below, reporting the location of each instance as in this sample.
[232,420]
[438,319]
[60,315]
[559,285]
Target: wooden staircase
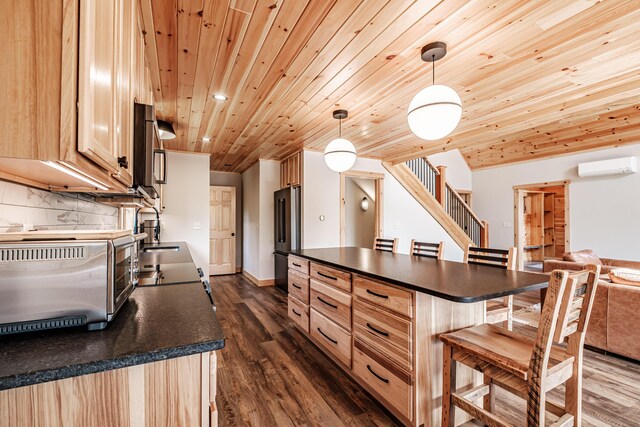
[428,185]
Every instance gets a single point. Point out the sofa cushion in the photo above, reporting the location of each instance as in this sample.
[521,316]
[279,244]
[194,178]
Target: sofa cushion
[623,335]
[585,256]
[597,327]
[625,276]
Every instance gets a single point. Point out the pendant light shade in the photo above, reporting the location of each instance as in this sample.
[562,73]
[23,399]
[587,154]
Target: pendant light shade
[165,129]
[436,110]
[340,154]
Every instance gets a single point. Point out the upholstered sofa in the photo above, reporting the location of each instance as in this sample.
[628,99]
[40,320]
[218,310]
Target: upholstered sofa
[615,318]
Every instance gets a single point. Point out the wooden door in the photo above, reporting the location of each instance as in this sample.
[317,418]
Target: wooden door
[222,230]
[96,82]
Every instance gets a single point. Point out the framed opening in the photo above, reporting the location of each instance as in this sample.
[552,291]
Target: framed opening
[357,224]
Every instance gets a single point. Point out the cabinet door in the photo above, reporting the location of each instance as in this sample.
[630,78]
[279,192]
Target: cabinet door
[96,82]
[125,89]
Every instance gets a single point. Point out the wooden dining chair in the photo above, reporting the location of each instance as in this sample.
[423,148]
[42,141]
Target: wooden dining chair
[427,250]
[526,367]
[385,245]
[501,309]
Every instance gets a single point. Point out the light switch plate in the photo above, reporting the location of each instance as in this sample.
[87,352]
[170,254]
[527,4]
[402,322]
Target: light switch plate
[197,226]
[506,224]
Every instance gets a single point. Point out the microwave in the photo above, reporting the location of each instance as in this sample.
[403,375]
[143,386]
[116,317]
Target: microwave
[149,161]
[48,284]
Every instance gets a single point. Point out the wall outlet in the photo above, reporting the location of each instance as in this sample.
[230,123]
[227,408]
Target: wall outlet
[506,224]
[396,226]
[197,226]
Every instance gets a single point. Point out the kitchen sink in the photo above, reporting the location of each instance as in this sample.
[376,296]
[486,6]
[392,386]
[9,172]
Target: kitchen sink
[161,249]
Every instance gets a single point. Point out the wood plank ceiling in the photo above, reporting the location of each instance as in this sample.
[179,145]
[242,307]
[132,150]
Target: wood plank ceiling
[537,78]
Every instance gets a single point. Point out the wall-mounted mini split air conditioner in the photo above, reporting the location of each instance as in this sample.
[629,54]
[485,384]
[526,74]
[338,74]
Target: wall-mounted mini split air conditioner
[608,167]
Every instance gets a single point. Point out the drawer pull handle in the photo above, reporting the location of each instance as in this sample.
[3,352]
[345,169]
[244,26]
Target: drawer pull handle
[384,380]
[386,334]
[295,286]
[369,291]
[327,276]
[327,337]
[295,312]
[328,303]
[296,264]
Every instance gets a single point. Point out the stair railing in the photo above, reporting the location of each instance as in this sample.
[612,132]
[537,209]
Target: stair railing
[434,180]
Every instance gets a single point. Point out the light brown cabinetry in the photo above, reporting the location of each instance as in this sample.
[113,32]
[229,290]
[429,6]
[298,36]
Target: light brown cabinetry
[72,71]
[298,287]
[392,333]
[291,171]
[173,392]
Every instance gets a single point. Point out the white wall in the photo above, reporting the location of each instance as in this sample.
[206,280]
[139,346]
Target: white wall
[229,179]
[251,219]
[258,183]
[458,173]
[269,182]
[604,211]
[403,217]
[187,202]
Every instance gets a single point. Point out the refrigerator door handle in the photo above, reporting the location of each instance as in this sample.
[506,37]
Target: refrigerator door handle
[283,219]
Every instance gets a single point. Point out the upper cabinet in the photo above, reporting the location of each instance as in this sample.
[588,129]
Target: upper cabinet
[72,72]
[291,171]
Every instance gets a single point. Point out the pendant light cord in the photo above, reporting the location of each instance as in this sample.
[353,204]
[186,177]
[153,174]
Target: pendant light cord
[433,67]
[340,127]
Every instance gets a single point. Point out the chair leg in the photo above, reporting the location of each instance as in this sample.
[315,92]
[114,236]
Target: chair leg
[573,386]
[488,401]
[536,408]
[448,387]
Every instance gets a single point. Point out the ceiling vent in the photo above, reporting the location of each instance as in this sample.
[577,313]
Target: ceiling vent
[608,167]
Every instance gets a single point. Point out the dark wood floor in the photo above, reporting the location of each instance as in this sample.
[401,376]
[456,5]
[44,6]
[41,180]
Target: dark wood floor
[270,375]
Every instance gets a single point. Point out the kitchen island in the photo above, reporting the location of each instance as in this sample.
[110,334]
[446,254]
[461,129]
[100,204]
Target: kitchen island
[378,316]
[155,364]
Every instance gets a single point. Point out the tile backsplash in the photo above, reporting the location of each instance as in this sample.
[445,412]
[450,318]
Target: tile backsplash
[42,210]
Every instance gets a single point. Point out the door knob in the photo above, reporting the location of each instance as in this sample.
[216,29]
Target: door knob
[233,234]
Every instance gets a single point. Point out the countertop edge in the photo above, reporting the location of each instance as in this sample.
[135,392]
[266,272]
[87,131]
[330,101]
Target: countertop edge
[38,377]
[452,298]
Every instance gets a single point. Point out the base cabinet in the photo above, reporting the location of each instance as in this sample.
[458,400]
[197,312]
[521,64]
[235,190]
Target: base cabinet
[173,392]
[384,336]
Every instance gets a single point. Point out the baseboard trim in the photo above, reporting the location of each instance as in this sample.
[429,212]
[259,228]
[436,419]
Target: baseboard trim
[257,282]
[238,270]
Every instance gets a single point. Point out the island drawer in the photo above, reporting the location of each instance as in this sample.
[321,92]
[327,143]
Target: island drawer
[299,313]
[333,303]
[332,276]
[298,285]
[385,332]
[331,336]
[299,264]
[392,384]
[383,295]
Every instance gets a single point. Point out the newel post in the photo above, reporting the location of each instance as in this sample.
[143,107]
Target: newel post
[441,182]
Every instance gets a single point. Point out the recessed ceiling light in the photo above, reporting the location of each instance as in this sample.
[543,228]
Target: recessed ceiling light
[206,139]
[219,97]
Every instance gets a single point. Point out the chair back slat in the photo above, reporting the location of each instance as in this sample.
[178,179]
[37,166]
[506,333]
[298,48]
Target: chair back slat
[385,245]
[427,249]
[576,304]
[499,258]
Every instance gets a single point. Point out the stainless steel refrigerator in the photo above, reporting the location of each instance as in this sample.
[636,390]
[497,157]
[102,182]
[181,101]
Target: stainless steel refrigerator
[287,230]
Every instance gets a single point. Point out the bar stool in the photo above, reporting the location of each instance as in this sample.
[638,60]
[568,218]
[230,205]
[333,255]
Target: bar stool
[501,309]
[386,245]
[523,366]
[426,249]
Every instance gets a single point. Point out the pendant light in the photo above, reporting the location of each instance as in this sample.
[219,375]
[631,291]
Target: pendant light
[435,111]
[165,130]
[340,154]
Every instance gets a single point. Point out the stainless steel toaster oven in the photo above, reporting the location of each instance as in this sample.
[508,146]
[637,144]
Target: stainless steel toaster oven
[60,283]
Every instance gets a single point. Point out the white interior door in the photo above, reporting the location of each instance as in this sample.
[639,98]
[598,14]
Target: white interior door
[222,231]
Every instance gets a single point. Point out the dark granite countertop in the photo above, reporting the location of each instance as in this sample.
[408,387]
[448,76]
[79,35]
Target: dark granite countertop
[157,323]
[454,281]
[167,266]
